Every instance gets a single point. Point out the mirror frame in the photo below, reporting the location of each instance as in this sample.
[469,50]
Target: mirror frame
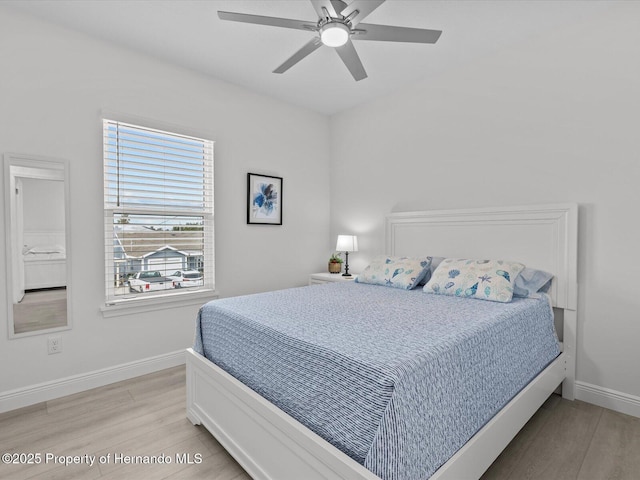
[43,163]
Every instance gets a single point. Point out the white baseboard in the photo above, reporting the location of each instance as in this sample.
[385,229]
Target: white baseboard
[23,397]
[607,398]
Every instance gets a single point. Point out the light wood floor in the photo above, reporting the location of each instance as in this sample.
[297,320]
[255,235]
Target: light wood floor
[146,416]
[41,309]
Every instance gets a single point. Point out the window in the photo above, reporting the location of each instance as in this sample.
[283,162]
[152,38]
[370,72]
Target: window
[158,205]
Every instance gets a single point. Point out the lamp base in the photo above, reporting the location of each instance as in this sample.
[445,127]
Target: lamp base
[346,265]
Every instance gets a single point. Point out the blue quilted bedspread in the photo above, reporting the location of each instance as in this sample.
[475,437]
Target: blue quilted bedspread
[398,380]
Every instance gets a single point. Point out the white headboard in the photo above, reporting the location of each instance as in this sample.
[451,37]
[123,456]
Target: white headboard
[540,236]
[544,237]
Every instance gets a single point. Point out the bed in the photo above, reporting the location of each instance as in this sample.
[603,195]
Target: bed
[44,259]
[270,443]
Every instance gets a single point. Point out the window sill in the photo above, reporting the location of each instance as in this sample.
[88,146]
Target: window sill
[138,304]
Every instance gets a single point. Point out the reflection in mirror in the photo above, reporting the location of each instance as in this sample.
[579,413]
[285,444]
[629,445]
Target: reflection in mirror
[37,244]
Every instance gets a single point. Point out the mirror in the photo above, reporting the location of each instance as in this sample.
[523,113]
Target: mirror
[37,244]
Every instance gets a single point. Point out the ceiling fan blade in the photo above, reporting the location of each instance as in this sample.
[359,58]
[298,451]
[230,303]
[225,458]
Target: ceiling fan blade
[319,4]
[364,8]
[351,59]
[309,47]
[271,21]
[389,33]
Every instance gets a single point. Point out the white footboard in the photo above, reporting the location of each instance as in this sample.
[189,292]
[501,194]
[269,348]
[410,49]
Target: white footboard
[268,443]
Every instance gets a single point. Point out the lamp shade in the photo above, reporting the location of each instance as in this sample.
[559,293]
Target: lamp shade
[347,243]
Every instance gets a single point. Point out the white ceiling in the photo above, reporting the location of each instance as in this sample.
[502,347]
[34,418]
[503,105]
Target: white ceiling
[189,33]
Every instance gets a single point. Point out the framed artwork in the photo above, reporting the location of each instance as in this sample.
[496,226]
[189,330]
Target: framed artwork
[264,199]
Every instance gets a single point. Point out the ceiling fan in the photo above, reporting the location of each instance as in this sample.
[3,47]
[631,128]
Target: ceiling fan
[337,25]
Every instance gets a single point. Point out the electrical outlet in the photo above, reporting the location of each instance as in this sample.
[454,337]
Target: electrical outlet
[55,344]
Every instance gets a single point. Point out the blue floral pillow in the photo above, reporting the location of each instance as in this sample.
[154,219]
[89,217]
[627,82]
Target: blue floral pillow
[485,279]
[397,272]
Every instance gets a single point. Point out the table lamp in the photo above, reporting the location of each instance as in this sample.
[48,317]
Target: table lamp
[346,244]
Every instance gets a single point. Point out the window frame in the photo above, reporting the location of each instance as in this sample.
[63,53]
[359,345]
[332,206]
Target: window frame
[123,304]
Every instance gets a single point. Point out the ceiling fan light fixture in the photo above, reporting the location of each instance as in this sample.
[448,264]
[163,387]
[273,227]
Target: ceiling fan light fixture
[334,34]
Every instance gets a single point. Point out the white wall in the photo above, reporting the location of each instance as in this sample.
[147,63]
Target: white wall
[43,205]
[54,84]
[552,120]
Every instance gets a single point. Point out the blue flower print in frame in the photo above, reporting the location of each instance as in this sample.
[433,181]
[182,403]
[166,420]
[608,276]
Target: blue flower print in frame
[264,199]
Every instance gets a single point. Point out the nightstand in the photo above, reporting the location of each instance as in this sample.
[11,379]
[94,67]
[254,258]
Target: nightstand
[326,277]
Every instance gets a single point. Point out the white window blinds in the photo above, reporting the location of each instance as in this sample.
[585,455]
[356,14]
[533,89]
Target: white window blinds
[158,200]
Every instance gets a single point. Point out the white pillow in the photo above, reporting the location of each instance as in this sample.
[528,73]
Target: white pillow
[44,249]
[484,279]
[397,272]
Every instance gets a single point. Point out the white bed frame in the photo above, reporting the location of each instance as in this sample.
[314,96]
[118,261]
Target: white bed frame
[269,444]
